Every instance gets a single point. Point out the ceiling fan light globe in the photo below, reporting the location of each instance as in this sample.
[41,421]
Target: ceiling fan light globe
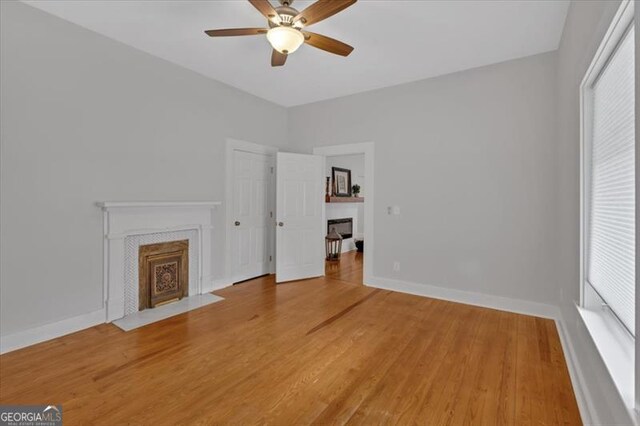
[285,39]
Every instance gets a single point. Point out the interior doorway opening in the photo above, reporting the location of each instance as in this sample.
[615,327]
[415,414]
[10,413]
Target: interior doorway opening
[345,200]
[348,208]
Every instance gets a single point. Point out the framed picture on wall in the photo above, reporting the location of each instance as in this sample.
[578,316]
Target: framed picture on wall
[341,182]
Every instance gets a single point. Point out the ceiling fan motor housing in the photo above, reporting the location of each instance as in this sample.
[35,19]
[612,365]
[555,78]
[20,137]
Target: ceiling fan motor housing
[287,14]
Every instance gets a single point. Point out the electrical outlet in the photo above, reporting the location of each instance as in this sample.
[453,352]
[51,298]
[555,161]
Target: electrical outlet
[396,266]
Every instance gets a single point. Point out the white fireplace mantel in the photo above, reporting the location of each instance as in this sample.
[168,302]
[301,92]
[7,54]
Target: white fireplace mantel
[106,205]
[128,218]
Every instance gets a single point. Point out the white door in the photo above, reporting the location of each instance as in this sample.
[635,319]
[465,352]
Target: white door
[252,215]
[299,230]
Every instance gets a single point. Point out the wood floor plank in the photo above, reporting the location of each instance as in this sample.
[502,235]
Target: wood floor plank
[347,269]
[372,370]
[451,375]
[321,351]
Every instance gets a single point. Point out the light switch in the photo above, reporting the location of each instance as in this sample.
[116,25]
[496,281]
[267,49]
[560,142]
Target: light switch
[393,210]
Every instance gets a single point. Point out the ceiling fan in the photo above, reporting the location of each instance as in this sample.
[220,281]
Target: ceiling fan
[286,28]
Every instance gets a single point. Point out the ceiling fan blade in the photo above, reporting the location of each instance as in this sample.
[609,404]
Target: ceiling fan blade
[278,59]
[322,9]
[266,9]
[327,44]
[236,32]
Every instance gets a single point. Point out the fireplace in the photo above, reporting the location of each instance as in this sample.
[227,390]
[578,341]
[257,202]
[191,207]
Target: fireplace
[131,224]
[163,273]
[344,226]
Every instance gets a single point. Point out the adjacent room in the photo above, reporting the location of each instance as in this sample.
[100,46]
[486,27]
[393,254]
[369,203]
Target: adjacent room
[344,214]
[297,212]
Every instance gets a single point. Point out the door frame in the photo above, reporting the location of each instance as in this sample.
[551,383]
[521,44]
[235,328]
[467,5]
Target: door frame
[366,148]
[254,148]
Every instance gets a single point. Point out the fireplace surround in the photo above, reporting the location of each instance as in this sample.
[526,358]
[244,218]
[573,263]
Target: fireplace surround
[128,225]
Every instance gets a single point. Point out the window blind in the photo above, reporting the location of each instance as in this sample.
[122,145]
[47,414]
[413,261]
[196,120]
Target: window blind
[611,244]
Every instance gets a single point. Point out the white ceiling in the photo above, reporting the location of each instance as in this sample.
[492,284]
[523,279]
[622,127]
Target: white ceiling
[395,41]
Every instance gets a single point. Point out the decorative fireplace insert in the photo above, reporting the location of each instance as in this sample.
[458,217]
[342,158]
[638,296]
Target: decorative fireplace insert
[344,227]
[163,273]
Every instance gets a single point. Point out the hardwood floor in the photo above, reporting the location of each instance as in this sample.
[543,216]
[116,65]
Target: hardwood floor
[348,269]
[317,351]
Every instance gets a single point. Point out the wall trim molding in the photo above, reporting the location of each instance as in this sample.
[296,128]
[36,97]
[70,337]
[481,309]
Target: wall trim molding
[31,336]
[108,205]
[518,306]
[43,333]
[217,285]
[580,389]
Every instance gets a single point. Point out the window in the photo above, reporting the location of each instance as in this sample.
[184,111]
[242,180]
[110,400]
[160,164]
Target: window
[611,202]
[608,214]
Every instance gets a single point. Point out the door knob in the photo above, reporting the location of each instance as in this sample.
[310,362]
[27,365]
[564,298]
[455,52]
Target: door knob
[280,224]
[237,223]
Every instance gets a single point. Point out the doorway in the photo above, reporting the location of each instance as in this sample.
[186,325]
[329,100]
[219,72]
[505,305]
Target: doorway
[348,157]
[250,210]
[344,214]
[253,218]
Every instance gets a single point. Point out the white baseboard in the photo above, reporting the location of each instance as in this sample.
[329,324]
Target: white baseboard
[471,298]
[580,389]
[218,284]
[21,339]
[29,337]
[115,308]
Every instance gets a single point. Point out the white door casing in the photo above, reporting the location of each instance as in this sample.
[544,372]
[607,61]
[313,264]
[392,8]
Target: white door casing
[251,215]
[299,234]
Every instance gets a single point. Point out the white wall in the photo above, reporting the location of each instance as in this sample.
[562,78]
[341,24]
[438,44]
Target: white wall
[584,29]
[87,119]
[470,159]
[355,163]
